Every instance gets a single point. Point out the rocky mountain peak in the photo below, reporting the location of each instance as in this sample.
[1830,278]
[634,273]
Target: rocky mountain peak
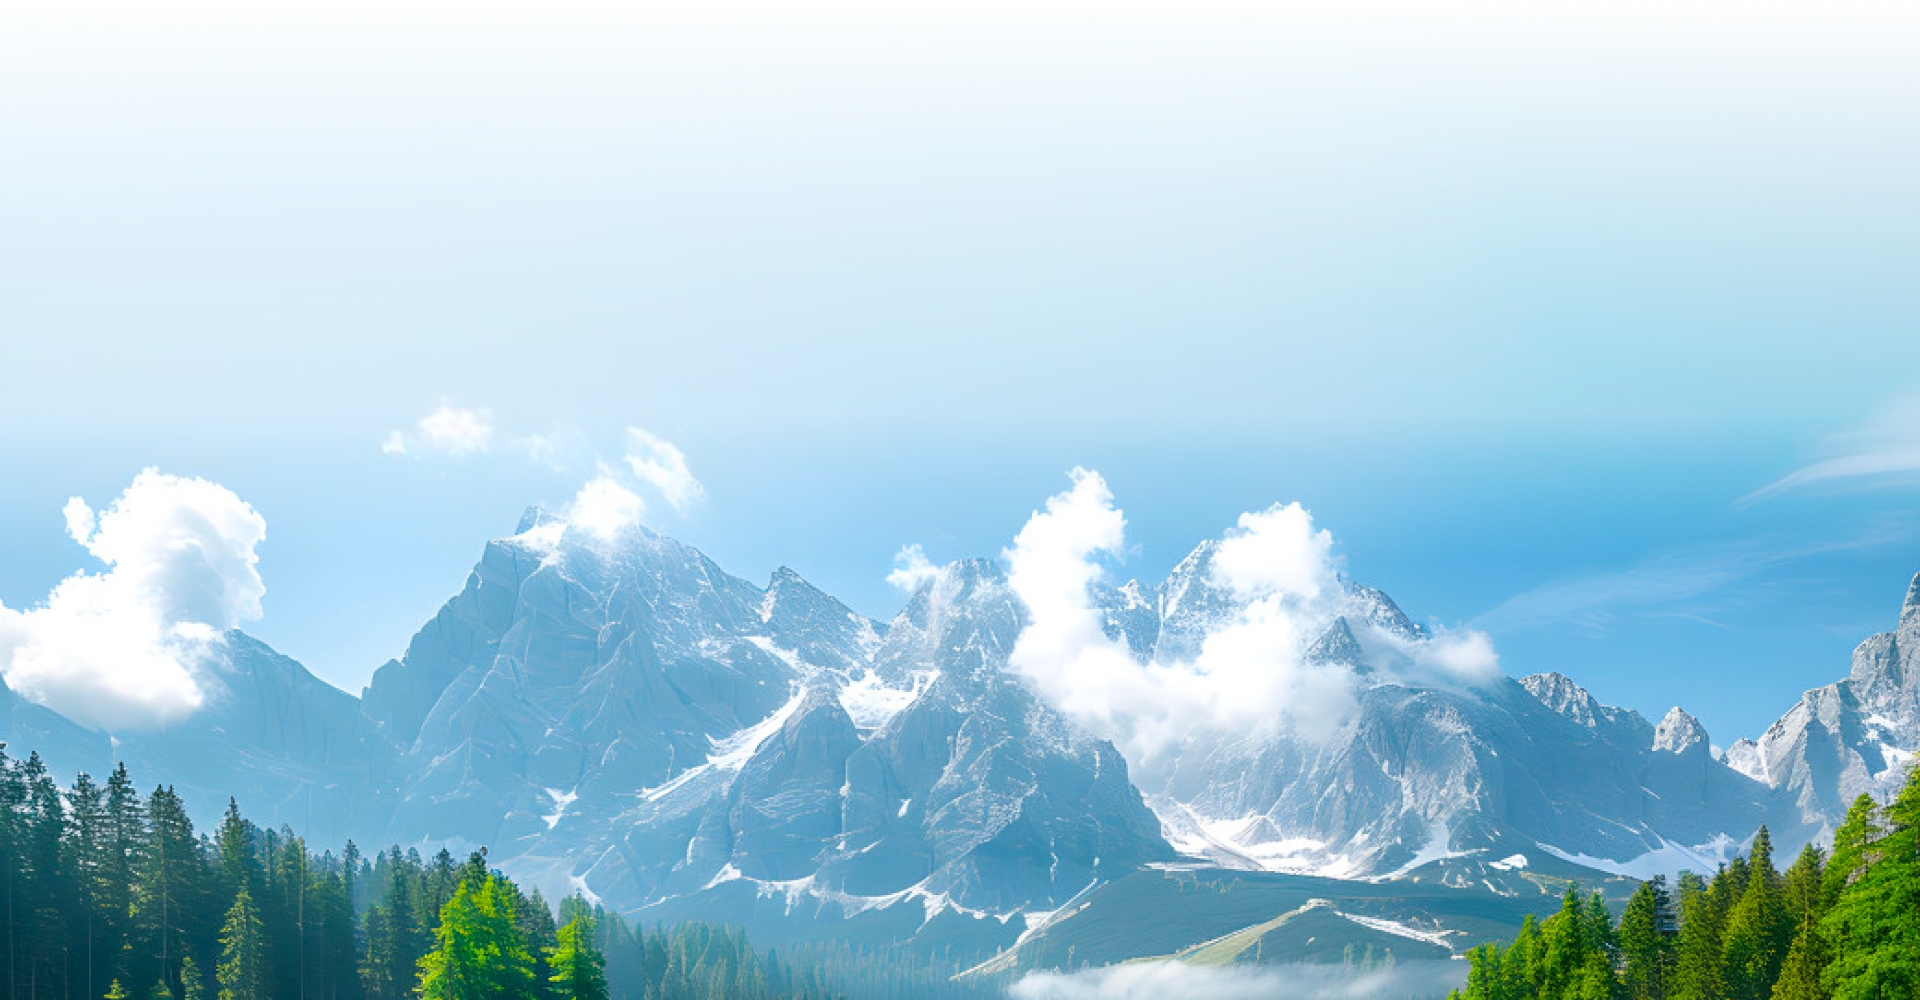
[1375,608]
[1678,732]
[534,517]
[1558,692]
[1910,609]
[1336,645]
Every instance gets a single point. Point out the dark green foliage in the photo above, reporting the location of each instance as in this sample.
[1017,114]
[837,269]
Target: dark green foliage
[1646,941]
[1839,928]
[1873,924]
[101,890]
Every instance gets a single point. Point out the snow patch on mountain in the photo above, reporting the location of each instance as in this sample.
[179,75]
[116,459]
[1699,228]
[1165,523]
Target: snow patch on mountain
[730,753]
[561,800]
[1398,928]
[1667,859]
[871,702]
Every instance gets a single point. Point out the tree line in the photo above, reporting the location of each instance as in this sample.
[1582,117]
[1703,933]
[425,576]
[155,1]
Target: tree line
[107,893]
[1839,925]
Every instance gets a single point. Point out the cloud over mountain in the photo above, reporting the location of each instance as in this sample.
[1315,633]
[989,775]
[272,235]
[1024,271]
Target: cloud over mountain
[1251,672]
[127,648]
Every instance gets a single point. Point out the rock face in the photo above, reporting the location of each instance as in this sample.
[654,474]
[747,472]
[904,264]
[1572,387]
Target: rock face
[629,720]
[1429,767]
[1856,736]
[1422,775]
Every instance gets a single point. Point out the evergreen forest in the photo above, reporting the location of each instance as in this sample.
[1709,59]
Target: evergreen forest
[1839,925]
[108,893]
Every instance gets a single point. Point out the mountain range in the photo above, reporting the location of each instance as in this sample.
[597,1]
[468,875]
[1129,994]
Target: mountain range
[624,719]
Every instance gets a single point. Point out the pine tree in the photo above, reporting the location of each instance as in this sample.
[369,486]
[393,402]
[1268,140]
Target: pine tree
[1644,942]
[1806,960]
[1850,845]
[1697,973]
[1759,928]
[239,864]
[44,878]
[1801,886]
[126,837]
[579,970]
[243,952]
[193,986]
[169,904]
[90,853]
[479,954]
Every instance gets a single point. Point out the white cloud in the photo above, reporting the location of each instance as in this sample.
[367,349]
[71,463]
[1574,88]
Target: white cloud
[1277,552]
[449,430]
[911,569]
[1884,450]
[659,463]
[603,508]
[1249,673]
[129,648]
[1163,980]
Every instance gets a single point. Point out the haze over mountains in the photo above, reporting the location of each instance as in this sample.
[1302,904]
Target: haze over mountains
[611,713]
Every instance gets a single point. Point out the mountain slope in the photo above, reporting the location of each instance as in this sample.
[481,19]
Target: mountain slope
[1852,737]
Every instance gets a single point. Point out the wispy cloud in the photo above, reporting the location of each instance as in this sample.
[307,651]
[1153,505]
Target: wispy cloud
[610,499]
[1675,585]
[1883,451]
[662,465]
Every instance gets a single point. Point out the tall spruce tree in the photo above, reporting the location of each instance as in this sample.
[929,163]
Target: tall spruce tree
[1646,945]
[1697,973]
[243,952]
[1759,928]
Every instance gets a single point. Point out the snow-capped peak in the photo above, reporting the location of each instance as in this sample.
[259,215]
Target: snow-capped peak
[1678,732]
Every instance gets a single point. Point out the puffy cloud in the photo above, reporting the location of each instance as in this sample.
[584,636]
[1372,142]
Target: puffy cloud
[129,648]
[1277,553]
[911,568]
[603,508]
[660,464]
[1162,980]
[1247,674]
[449,430]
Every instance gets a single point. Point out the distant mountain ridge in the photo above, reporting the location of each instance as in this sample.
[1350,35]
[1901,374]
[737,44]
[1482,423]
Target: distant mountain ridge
[624,719]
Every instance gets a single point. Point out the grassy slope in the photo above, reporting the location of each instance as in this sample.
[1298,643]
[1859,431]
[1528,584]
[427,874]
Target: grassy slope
[1214,916]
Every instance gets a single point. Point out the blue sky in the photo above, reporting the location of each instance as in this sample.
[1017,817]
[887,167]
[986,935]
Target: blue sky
[1523,303]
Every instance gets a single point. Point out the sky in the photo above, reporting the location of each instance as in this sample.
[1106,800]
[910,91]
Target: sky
[1591,327]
